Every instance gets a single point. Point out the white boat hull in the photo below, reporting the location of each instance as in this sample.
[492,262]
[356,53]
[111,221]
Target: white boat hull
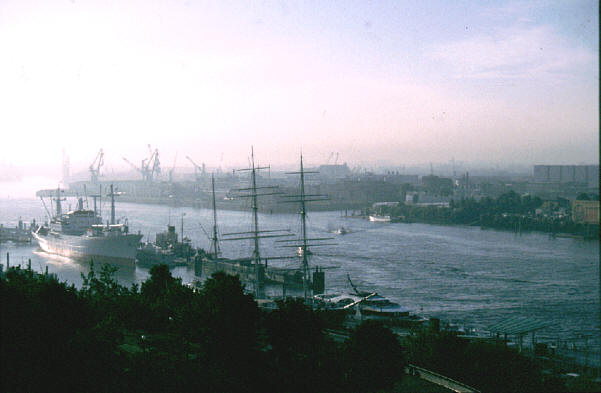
[119,249]
[379,218]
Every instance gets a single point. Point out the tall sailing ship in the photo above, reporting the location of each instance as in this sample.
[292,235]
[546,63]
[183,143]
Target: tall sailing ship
[255,269]
[80,234]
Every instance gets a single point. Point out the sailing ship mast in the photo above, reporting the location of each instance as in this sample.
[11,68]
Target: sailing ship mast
[255,209]
[255,233]
[303,214]
[303,198]
[215,241]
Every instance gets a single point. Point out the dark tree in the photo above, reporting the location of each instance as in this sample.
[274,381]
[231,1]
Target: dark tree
[374,358]
[228,324]
[302,358]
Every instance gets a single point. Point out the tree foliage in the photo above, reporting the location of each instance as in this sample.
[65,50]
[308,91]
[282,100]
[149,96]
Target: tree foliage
[165,337]
[374,358]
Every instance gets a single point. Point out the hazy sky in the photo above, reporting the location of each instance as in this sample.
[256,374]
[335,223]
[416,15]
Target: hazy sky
[401,82]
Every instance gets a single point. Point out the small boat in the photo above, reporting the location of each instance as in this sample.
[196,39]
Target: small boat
[340,231]
[378,218]
[300,252]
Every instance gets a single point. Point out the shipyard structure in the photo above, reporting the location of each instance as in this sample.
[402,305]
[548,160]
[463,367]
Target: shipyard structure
[347,189]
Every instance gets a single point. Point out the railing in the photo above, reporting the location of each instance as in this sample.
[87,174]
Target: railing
[411,369]
[440,380]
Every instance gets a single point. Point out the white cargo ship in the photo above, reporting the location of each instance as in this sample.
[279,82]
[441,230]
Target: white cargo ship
[80,234]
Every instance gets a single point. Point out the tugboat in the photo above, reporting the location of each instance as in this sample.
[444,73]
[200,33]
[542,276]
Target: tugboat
[166,250]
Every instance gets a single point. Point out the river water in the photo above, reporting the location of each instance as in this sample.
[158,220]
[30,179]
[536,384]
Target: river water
[462,274]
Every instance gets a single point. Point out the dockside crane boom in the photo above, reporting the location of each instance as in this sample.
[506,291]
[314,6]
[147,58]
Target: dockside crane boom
[95,166]
[149,167]
[330,158]
[197,168]
[172,169]
[156,165]
[141,170]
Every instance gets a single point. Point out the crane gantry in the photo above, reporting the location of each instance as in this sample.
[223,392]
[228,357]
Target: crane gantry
[149,167]
[95,166]
[198,170]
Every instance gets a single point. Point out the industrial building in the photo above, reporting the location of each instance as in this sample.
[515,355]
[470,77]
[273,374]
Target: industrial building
[578,174]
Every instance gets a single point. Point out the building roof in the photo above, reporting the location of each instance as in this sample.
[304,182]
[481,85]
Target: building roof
[517,325]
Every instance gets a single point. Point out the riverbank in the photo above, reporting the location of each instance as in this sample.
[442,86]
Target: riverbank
[509,212]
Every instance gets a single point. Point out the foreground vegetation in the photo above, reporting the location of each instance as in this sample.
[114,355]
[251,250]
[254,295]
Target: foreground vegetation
[163,336]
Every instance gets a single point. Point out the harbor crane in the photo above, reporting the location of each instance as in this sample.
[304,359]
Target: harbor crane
[154,161]
[95,166]
[330,158]
[149,167]
[141,169]
[197,168]
[172,169]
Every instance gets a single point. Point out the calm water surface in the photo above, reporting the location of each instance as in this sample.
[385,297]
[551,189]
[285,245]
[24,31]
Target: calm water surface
[463,274]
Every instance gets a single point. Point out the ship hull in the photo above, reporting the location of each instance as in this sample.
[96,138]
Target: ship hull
[119,249]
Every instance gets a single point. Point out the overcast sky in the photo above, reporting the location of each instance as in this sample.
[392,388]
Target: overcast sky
[399,82]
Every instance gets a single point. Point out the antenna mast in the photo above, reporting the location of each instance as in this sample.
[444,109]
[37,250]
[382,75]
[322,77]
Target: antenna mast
[59,210]
[112,206]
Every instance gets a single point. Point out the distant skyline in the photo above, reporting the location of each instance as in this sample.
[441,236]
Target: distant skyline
[379,83]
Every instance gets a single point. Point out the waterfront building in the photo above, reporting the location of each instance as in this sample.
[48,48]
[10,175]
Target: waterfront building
[585,212]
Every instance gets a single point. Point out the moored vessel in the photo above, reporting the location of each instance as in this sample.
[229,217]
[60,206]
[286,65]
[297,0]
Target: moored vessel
[167,250]
[370,305]
[80,234]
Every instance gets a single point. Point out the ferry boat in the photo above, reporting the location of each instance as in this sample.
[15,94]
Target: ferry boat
[370,305]
[80,234]
[378,218]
